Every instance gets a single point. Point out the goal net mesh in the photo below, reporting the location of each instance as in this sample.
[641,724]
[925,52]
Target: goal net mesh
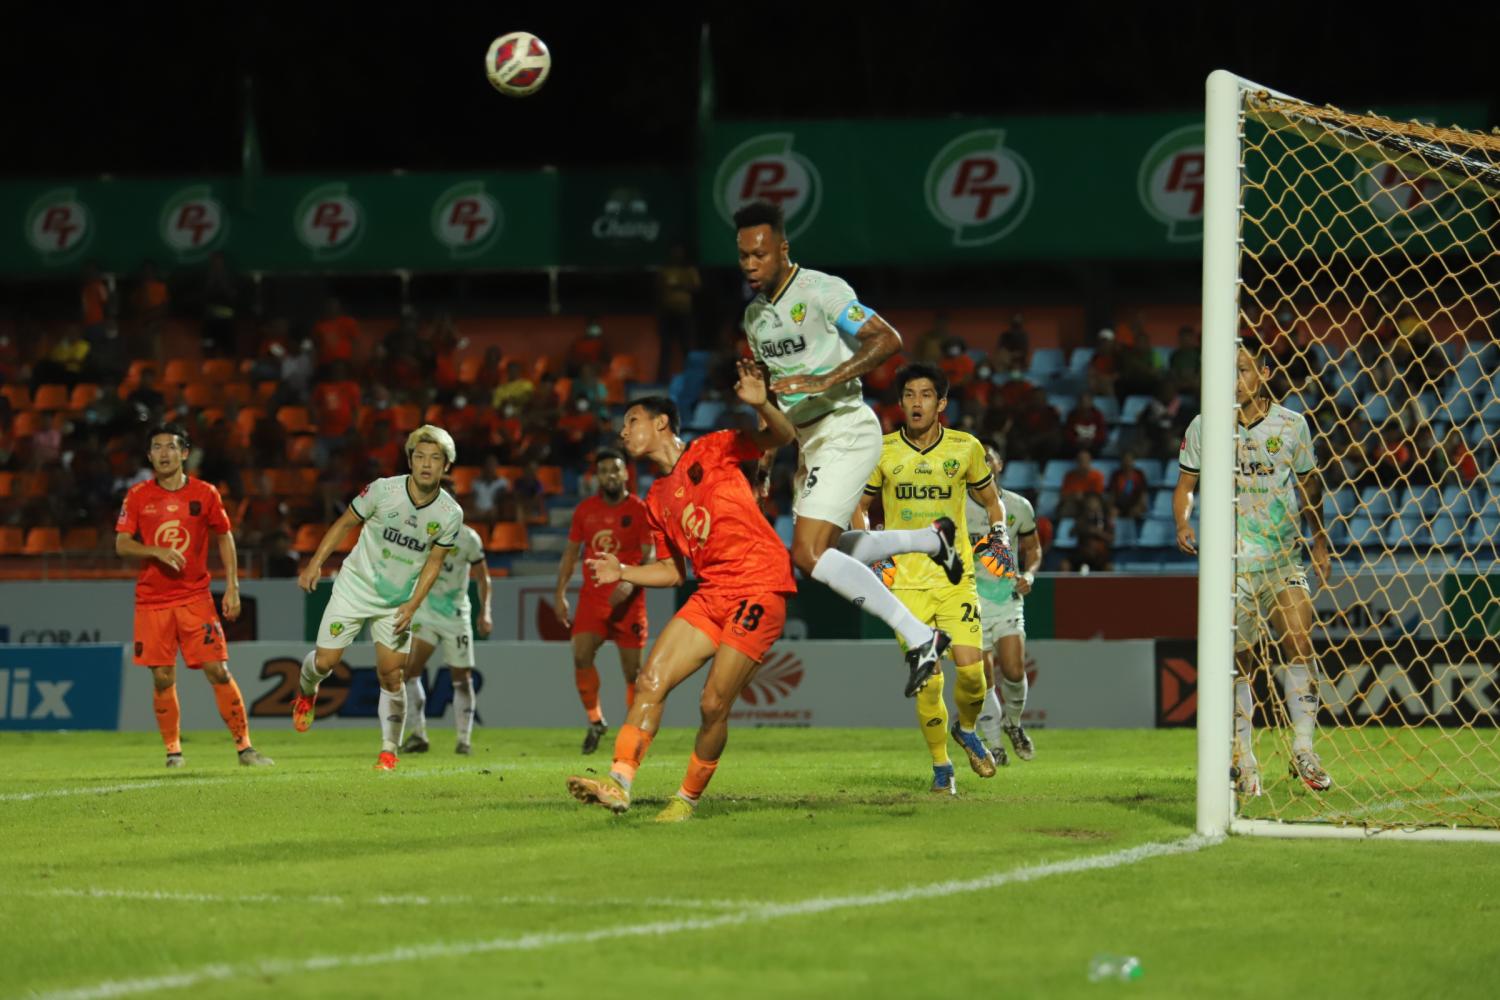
[1369,262]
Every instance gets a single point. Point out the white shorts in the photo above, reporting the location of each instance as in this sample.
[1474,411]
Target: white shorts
[1255,596]
[344,619]
[1001,620]
[835,458]
[455,636]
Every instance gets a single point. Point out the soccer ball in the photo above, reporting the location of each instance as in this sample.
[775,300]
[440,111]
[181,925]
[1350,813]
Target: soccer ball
[517,64]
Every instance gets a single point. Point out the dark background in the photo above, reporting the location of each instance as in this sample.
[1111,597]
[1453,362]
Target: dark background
[154,89]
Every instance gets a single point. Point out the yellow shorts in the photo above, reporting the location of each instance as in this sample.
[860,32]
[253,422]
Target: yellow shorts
[953,609]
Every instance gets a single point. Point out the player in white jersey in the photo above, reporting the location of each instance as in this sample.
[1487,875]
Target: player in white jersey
[1276,462]
[816,339]
[1002,617]
[446,619]
[410,525]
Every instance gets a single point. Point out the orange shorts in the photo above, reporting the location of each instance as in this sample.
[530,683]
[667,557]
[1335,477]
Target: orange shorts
[625,625]
[192,628]
[749,624]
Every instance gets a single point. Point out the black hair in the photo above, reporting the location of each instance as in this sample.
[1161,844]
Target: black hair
[918,370]
[608,454]
[176,430]
[660,406]
[761,213]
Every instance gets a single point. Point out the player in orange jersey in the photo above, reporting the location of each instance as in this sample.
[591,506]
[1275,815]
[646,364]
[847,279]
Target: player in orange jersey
[174,611]
[614,522]
[701,509]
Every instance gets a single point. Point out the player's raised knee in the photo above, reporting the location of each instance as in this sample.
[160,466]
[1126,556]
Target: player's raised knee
[714,706]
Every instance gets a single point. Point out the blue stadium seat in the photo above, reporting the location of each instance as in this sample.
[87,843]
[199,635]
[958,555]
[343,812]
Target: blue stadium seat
[1126,533]
[1107,466]
[1158,534]
[1376,502]
[1457,405]
[1421,501]
[784,529]
[1362,533]
[1046,362]
[1161,505]
[1408,533]
[1345,501]
[1170,473]
[1114,443]
[1078,362]
[1067,534]
[1046,503]
[1377,409]
[697,361]
[1461,501]
[1138,565]
[1151,468]
[1338,533]
[1020,476]
[1447,531]
[1106,405]
[1482,530]
[706,415]
[1134,407]
[1063,404]
[1052,475]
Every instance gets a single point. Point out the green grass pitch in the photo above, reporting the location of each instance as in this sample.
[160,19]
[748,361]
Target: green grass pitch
[819,865]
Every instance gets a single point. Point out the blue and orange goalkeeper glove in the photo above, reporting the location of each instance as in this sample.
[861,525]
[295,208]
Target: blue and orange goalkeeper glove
[993,551]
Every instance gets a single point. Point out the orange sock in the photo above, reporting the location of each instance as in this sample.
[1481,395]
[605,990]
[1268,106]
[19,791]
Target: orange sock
[169,718]
[699,773]
[631,745]
[232,711]
[587,682]
[629,696]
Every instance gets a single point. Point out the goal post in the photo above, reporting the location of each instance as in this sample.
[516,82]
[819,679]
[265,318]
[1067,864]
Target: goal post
[1365,252]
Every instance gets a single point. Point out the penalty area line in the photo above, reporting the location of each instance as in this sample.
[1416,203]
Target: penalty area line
[220,972]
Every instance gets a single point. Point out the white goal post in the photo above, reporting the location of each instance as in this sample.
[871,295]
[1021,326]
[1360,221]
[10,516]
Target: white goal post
[1298,212]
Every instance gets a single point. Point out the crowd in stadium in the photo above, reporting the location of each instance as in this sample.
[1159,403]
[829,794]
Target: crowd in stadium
[290,416]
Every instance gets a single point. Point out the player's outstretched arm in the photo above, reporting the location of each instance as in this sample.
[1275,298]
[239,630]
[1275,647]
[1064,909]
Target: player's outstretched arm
[126,545]
[878,340]
[347,522]
[608,569]
[751,388]
[1182,510]
[431,569]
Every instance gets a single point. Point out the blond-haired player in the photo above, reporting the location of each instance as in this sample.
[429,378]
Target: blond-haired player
[410,524]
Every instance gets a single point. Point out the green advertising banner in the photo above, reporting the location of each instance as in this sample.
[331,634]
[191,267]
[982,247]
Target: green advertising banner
[621,218]
[954,191]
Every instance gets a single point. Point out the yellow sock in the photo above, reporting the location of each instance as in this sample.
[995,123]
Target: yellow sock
[968,694]
[932,716]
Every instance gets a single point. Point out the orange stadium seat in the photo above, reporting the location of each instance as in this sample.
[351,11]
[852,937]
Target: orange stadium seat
[308,537]
[7,483]
[540,367]
[43,542]
[50,397]
[294,419]
[551,478]
[463,479]
[614,390]
[81,540]
[406,418]
[434,414]
[84,394]
[180,370]
[200,393]
[469,368]
[133,373]
[27,423]
[511,472]
[19,396]
[299,450]
[33,485]
[625,367]
[219,370]
[238,393]
[298,482]
[508,536]
[11,540]
[564,389]
[264,391]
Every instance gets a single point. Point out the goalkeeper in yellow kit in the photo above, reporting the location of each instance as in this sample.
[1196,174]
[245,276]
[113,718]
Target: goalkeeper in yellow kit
[926,474]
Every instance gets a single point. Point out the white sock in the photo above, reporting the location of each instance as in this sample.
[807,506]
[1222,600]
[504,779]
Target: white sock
[989,719]
[463,709]
[857,583]
[873,546]
[416,708]
[392,717]
[311,675]
[1301,703]
[1014,693]
[1244,716]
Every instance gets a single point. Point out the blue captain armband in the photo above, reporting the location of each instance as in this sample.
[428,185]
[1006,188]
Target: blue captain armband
[853,317]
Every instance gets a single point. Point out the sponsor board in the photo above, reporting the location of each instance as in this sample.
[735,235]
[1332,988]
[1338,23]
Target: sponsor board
[68,612]
[61,687]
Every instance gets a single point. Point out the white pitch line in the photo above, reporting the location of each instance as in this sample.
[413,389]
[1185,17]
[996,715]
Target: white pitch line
[1397,804]
[390,899]
[534,942]
[193,782]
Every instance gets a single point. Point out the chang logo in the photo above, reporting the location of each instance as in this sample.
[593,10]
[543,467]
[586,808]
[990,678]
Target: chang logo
[1170,183]
[978,188]
[466,219]
[59,226]
[775,681]
[172,535]
[193,222]
[329,221]
[626,219]
[766,168]
[696,523]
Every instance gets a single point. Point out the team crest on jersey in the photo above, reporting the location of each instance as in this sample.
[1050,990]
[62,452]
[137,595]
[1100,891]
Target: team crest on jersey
[336,629]
[950,467]
[799,313]
[1273,445]
[433,527]
[856,314]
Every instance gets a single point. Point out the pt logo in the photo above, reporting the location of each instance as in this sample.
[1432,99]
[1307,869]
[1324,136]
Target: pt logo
[1406,202]
[59,226]
[766,168]
[467,220]
[696,522]
[626,218]
[193,222]
[604,541]
[775,681]
[1170,183]
[978,188]
[171,535]
[329,221]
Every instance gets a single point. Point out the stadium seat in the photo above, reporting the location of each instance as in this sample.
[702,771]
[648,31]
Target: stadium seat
[1363,533]
[295,419]
[1407,533]
[12,540]
[238,393]
[511,472]
[614,390]
[299,482]
[551,478]
[300,449]
[1078,361]
[1462,502]
[463,479]
[1134,407]
[83,396]
[308,537]
[706,414]
[1108,466]
[180,370]
[625,367]
[1447,532]
[1126,533]
[1052,474]
[50,397]
[1020,476]
[1170,473]
[33,485]
[1062,403]
[469,369]
[133,373]
[507,536]
[200,393]
[1046,364]
[264,391]
[1420,501]
[1046,503]
[1106,405]
[1482,531]
[1376,502]
[43,541]
[1158,534]
[219,370]
[7,484]
[406,418]
[1161,505]
[1151,469]
[784,526]
[19,396]
[81,540]
[1067,534]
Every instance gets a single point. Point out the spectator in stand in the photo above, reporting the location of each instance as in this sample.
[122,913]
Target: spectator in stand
[446,343]
[65,361]
[279,562]
[1138,374]
[956,363]
[545,403]
[1015,342]
[10,360]
[382,450]
[531,502]
[402,355]
[509,432]
[1104,366]
[1093,554]
[577,433]
[1160,426]
[335,404]
[268,442]
[221,301]
[1085,427]
[516,388]
[975,396]
[930,347]
[1186,364]
[676,286]
[1393,455]
[146,397]
[588,349]
[275,341]
[1428,460]
[488,379]
[489,494]
[1129,494]
[1458,464]
[96,305]
[1037,433]
[1080,481]
[335,334]
[297,371]
[46,443]
[587,386]
[7,439]
[152,301]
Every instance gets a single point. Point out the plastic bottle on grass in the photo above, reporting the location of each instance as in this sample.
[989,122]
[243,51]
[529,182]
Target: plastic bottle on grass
[1124,968]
